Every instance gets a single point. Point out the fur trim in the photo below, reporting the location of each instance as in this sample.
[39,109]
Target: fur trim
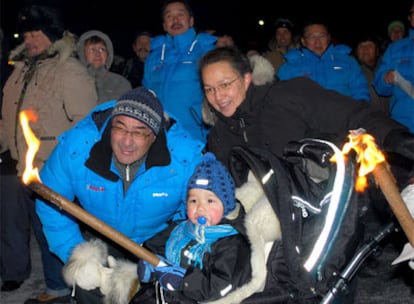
[263,228]
[250,192]
[263,70]
[85,266]
[65,47]
[123,284]
[263,73]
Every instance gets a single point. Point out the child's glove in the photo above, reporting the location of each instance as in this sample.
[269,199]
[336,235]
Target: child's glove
[145,271]
[169,276]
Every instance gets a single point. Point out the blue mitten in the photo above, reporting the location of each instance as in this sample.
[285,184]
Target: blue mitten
[169,276]
[145,271]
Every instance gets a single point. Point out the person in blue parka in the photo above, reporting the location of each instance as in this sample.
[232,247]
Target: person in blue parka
[127,165]
[395,76]
[332,66]
[171,68]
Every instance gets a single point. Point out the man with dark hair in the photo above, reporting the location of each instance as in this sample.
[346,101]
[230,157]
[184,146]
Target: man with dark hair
[128,166]
[134,67]
[171,69]
[50,81]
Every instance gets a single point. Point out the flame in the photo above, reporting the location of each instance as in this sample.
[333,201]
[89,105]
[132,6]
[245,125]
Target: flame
[368,155]
[30,174]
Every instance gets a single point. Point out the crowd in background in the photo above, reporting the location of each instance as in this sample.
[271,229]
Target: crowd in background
[74,74]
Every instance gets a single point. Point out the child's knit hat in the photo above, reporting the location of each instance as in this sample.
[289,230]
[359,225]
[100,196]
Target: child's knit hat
[211,175]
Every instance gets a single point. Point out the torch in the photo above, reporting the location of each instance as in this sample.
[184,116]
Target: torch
[32,180]
[372,160]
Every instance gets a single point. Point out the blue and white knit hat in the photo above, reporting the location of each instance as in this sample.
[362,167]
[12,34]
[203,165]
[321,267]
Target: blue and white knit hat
[143,105]
[211,175]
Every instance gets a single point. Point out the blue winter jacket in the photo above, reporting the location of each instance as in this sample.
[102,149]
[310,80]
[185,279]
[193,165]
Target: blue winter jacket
[335,70]
[399,56]
[171,71]
[81,166]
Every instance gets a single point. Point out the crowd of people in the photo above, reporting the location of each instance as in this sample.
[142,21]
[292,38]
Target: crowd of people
[148,149]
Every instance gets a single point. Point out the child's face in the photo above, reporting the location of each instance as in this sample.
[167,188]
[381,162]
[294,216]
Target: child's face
[205,203]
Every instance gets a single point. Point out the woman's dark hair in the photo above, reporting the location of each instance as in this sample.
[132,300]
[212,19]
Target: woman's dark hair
[237,59]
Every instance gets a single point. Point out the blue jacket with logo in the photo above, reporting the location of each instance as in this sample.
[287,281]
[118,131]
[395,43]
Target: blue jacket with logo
[171,71]
[334,70]
[81,166]
[399,56]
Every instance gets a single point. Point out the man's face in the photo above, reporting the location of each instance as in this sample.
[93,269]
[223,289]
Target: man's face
[367,52]
[177,19]
[141,47]
[130,139]
[283,37]
[316,38]
[36,43]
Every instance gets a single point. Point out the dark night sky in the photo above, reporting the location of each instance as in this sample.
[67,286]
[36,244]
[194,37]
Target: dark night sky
[121,18]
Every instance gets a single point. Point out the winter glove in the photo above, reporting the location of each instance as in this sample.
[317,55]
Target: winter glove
[169,277]
[122,283]
[145,271]
[85,267]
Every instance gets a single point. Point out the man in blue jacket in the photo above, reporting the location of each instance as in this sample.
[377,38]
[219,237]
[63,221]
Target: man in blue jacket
[125,164]
[330,65]
[395,76]
[171,69]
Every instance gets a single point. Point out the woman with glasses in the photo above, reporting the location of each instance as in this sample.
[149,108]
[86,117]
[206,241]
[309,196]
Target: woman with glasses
[269,116]
[96,52]
[265,118]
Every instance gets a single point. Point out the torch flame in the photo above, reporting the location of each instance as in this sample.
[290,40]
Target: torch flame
[30,174]
[368,155]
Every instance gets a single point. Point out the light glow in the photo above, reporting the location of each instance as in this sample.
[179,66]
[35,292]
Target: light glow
[30,174]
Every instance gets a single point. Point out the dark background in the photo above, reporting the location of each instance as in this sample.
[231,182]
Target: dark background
[120,19]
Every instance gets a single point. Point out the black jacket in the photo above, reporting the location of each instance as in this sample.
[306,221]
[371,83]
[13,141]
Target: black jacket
[227,263]
[274,114]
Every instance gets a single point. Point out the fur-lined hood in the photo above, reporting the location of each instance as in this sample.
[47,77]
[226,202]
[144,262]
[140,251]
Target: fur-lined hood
[65,47]
[108,42]
[263,72]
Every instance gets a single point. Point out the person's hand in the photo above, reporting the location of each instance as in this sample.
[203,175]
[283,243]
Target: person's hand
[145,271]
[169,277]
[389,77]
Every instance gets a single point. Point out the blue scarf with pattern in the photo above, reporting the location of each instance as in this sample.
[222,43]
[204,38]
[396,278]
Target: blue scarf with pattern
[204,236]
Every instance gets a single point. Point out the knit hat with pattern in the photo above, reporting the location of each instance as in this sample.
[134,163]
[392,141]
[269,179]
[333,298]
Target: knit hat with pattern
[211,175]
[141,104]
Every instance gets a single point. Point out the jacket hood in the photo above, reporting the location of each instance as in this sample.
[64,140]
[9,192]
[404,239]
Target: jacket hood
[104,37]
[64,47]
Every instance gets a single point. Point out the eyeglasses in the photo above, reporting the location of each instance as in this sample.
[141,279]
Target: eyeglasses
[223,87]
[136,135]
[92,50]
[316,36]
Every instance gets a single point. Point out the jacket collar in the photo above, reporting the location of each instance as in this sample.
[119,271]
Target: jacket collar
[100,157]
[65,48]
